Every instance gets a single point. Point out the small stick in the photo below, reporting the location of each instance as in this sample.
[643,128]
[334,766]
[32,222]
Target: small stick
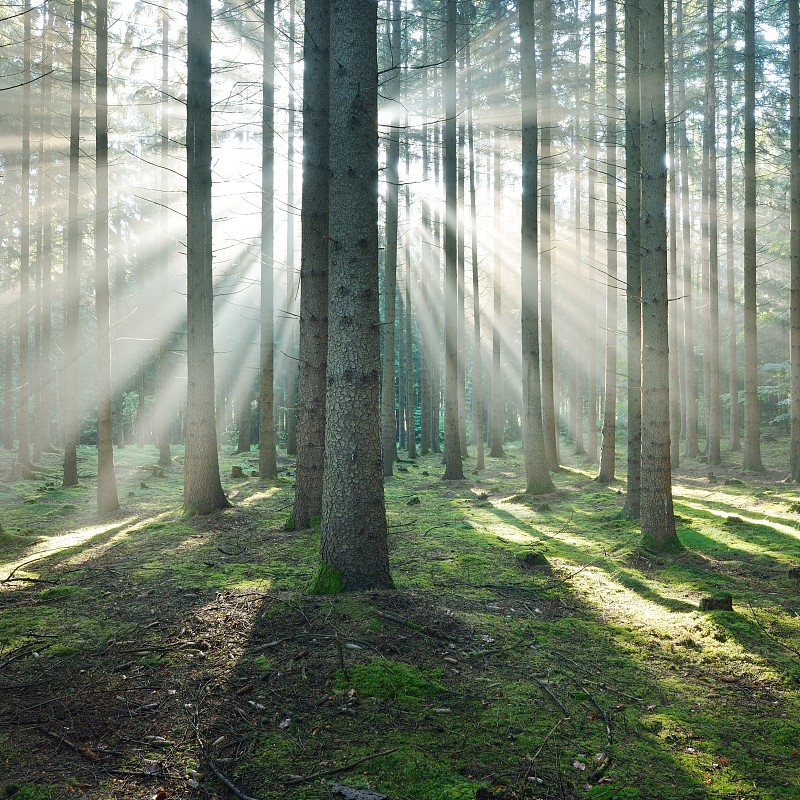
[221,775]
[352,765]
[547,738]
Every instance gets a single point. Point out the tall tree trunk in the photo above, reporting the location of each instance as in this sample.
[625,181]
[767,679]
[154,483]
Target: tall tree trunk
[388,405]
[536,467]
[657,519]
[591,221]
[751,455]
[547,222]
[497,421]
[794,172]
[578,340]
[477,352]
[72,288]
[633,189]
[107,499]
[313,266]
[675,346]
[291,290]
[733,328]
[354,534]
[691,448]
[608,450]
[411,431]
[453,469]
[461,268]
[23,395]
[163,419]
[426,315]
[711,395]
[202,489]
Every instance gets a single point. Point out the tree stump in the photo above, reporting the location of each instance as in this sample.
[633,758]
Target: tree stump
[717,602]
[236,472]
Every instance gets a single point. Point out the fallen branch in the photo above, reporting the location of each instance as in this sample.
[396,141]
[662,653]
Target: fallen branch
[300,779]
[86,752]
[220,775]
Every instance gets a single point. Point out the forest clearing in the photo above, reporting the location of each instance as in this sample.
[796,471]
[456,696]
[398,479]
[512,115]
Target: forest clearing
[531,649]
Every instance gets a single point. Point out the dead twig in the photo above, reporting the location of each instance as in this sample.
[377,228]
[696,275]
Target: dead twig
[300,779]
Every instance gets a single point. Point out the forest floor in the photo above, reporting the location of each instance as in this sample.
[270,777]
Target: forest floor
[531,649]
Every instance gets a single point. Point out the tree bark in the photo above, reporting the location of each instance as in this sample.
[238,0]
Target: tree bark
[354,547]
[313,266]
[537,472]
[107,499]
[794,242]
[497,421]
[751,455]
[633,244]
[202,489]
[657,519]
[608,449]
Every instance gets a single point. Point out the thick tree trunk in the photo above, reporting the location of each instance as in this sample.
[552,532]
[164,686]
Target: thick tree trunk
[202,489]
[354,535]
[633,189]
[453,469]
[751,455]
[107,499]
[313,266]
[411,431]
[537,472]
[657,520]
[609,450]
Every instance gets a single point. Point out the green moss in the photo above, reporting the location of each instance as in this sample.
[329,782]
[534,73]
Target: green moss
[388,681]
[327,581]
[30,791]
[60,592]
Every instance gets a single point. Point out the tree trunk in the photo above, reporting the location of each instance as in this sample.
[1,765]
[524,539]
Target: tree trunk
[608,450]
[536,467]
[313,266]
[23,394]
[497,423]
[751,456]
[547,222]
[591,221]
[794,114]
[267,462]
[388,404]
[72,287]
[107,499]
[691,449]
[354,534]
[291,359]
[453,469]
[657,520]
[411,432]
[733,328]
[711,392]
[477,352]
[202,489]
[633,188]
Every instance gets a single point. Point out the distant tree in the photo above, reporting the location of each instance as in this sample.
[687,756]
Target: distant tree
[267,464]
[313,266]
[353,544]
[794,114]
[453,469]
[202,488]
[72,289]
[633,281]
[609,449]
[497,409]
[107,499]
[657,519]
[388,405]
